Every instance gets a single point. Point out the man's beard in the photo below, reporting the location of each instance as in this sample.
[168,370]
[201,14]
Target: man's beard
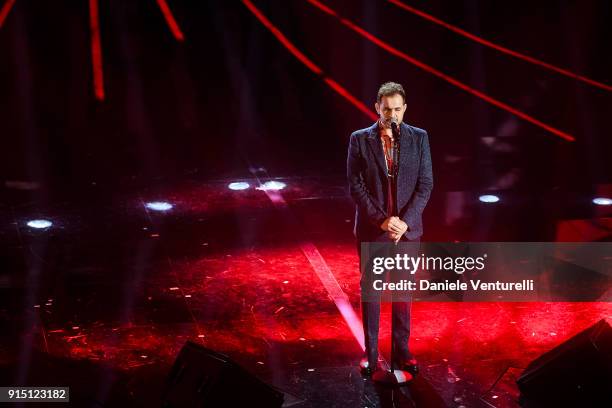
[386,123]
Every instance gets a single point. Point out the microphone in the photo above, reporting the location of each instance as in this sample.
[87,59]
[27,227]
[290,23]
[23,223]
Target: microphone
[394,126]
[396,137]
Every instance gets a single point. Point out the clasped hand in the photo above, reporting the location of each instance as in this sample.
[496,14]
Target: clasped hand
[395,228]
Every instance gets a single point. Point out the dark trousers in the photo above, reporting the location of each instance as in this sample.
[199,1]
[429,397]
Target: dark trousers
[400,321]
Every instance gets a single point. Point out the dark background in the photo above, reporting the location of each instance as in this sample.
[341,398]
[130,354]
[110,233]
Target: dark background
[107,284]
[231,96]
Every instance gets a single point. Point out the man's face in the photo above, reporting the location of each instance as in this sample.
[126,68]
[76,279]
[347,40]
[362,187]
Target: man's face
[391,107]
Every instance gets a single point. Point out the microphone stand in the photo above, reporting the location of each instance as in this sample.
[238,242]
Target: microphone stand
[393,376]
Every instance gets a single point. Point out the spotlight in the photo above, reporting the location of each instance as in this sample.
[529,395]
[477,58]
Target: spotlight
[39,224]
[272,186]
[159,206]
[489,198]
[241,185]
[602,201]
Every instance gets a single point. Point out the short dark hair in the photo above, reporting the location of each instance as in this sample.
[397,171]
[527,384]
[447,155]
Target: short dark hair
[390,89]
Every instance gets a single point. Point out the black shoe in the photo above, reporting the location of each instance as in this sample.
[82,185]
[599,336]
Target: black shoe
[368,371]
[412,366]
[365,368]
[409,365]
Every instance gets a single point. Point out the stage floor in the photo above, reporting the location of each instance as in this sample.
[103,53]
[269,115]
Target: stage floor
[104,299]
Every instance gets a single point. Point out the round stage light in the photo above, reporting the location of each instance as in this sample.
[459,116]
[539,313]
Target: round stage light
[602,201]
[240,185]
[39,224]
[489,198]
[159,206]
[272,186]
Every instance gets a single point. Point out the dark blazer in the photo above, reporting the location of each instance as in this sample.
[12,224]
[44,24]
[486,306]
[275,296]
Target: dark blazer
[367,178]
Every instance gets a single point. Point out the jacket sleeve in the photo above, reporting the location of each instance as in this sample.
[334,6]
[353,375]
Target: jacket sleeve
[357,187]
[416,205]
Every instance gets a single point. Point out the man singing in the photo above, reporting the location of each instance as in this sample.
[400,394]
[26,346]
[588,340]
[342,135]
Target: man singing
[390,179]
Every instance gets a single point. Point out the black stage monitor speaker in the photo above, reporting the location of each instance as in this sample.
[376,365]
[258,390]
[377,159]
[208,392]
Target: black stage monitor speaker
[578,371]
[204,378]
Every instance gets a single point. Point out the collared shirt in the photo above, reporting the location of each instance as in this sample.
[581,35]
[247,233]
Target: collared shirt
[388,145]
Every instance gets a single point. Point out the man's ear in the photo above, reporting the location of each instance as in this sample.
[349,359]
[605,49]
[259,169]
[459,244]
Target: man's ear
[377,106]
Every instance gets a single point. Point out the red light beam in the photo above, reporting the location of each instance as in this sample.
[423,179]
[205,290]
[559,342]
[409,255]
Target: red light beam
[307,61]
[392,50]
[5,10]
[96,50]
[500,48]
[172,24]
